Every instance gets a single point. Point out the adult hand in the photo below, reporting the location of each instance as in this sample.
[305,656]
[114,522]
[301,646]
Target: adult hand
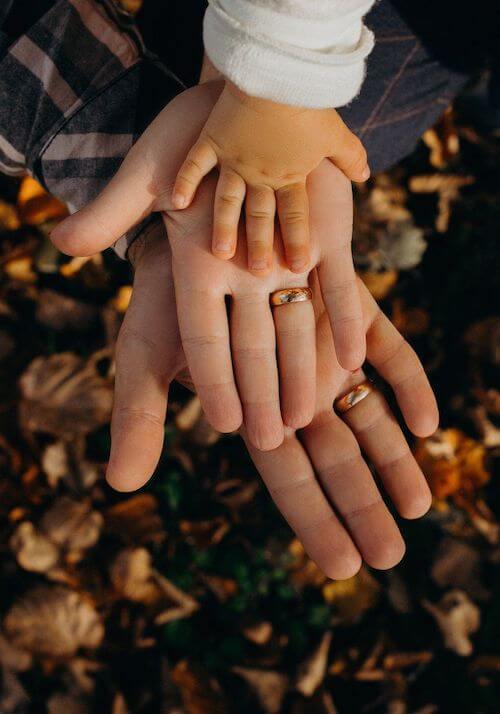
[233,367]
[320,481]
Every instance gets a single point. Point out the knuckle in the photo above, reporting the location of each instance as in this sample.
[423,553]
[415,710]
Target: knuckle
[200,341]
[230,200]
[260,214]
[130,340]
[138,414]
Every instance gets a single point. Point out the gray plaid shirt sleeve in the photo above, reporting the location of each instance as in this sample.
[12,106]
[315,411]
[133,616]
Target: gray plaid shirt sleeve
[76,90]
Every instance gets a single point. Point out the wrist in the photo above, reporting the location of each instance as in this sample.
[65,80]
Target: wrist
[265,106]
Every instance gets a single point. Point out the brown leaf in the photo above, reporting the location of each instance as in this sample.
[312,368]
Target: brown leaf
[60,312]
[268,686]
[352,597]
[36,205]
[447,186]
[9,217]
[483,340]
[200,693]
[136,520]
[203,534]
[457,565]
[72,525]
[63,395]
[457,617]
[312,672]
[259,633]
[53,621]
[452,462]
[132,576]
[12,657]
[33,550]
[303,571]
[58,466]
[61,703]
[379,283]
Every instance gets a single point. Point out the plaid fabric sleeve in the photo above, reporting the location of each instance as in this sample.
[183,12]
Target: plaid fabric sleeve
[77,88]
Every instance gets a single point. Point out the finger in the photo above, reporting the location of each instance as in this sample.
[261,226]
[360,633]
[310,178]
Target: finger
[199,162]
[397,363]
[341,297]
[293,211]
[349,154]
[204,332]
[253,342]
[349,485]
[260,210]
[290,479]
[229,198]
[382,440]
[296,337]
[125,201]
[147,355]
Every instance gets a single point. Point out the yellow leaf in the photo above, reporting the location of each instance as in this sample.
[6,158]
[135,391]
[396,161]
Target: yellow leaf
[354,596]
[36,205]
[9,218]
[21,269]
[379,284]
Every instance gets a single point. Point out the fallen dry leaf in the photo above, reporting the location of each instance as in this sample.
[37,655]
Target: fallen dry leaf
[132,576]
[72,525]
[64,395]
[20,269]
[259,633]
[379,283]
[458,618]
[457,565]
[352,597]
[447,186]
[136,520]
[452,462]
[200,693]
[33,550]
[36,205]
[53,621]
[312,671]
[9,217]
[60,312]
[268,686]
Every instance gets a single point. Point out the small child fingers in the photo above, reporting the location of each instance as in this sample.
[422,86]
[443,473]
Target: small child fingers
[229,198]
[260,212]
[198,163]
[293,211]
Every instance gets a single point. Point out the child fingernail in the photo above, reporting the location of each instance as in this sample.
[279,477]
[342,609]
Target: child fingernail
[221,247]
[179,200]
[366,173]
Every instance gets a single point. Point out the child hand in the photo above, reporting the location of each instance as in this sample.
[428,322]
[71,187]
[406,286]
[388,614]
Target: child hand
[265,152]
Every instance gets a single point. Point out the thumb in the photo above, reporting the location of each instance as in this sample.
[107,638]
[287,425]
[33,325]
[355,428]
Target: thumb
[350,156]
[124,202]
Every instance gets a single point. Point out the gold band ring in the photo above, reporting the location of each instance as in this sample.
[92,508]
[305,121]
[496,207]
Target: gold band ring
[353,396]
[283,297]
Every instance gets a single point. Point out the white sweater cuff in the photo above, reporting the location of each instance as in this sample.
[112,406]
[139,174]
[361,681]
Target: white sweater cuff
[264,52]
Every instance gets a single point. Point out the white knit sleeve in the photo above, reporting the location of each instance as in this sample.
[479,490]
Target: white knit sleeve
[308,53]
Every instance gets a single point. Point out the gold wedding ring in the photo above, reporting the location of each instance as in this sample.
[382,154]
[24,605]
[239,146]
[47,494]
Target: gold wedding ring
[353,396]
[288,295]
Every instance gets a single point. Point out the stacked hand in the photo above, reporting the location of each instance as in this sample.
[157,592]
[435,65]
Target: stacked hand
[321,483]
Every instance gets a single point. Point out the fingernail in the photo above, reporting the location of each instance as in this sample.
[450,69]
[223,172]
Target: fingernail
[258,265]
[222,247]
[179,200]
[299,265]
[366,173]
